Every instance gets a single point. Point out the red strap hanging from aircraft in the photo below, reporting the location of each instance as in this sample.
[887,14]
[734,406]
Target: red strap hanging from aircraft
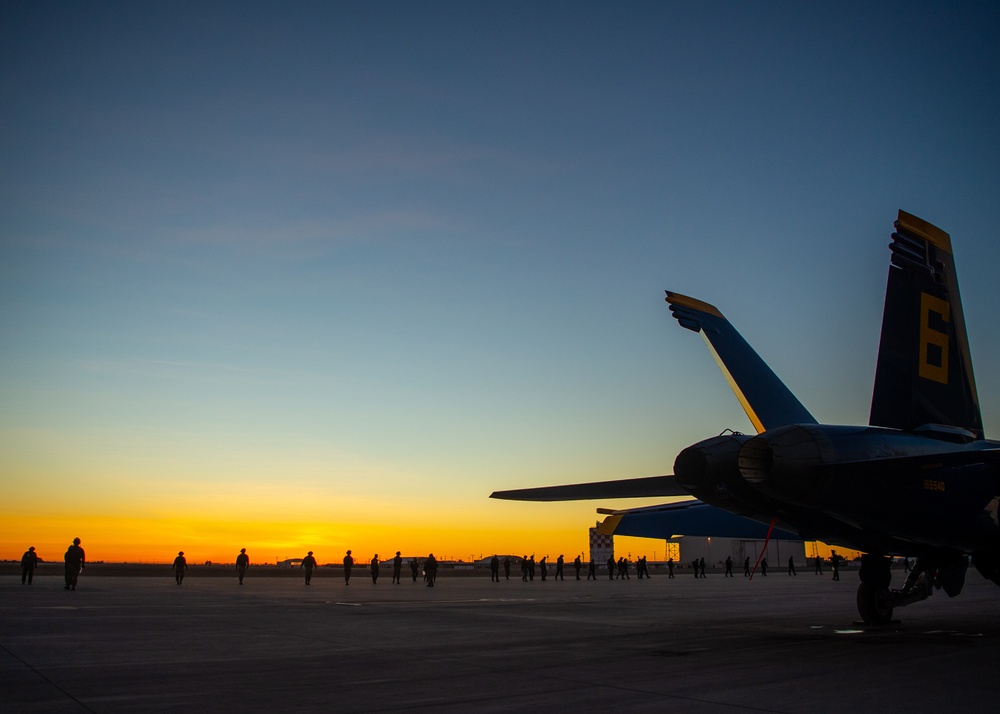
[767,539]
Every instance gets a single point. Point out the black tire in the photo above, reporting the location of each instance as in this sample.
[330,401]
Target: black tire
[873,604]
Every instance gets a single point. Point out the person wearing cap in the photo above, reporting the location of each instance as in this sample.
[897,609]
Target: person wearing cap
[309,562]
[431,569]
[75,561]
[397,567]
[242,563]
[180,565]
[28,562]
[348,564]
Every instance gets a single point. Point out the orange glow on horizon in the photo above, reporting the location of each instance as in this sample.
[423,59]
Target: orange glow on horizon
[117,539]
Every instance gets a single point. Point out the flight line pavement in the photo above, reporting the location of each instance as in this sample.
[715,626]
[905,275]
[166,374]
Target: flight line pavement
[777,644]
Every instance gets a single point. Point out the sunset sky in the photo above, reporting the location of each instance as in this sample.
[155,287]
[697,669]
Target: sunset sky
[317,276]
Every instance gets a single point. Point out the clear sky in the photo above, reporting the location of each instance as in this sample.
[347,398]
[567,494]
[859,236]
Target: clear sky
[292,276]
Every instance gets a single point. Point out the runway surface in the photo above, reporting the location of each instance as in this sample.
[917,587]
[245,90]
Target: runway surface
[777,644]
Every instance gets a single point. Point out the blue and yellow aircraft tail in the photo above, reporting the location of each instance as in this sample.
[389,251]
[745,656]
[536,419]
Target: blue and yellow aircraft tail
[920,479]
[924,373]
[924,383]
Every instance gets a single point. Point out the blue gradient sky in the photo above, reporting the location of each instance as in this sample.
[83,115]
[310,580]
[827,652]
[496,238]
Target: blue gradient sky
[362,263]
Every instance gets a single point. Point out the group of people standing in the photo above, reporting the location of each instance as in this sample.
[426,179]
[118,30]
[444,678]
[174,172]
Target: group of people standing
[617,569]
[374,567]
[75,560]
[309,564]
[698,566]
[528,568]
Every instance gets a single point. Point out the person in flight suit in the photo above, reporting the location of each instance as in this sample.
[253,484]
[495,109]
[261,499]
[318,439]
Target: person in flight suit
[397,567]
[76,561]
[28,563]
[242,563]
[180,565]
[348,564]
[309,562]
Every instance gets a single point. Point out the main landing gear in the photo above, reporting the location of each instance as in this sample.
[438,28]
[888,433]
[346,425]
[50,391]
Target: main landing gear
[876,601]
[874,604]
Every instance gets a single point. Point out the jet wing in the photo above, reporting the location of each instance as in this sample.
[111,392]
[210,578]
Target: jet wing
[690,518]
[646,487]
[764,397]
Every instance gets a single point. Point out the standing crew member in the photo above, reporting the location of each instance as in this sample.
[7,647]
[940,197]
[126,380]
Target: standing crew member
[374,567]
[641,568]
[309,562]
[348,564]
[242,563]
[180,565]
[397,567]
[75,562]
[28,562]
[431,568]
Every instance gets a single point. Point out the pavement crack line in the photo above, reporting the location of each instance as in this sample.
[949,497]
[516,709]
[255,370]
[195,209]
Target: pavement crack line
[47,680]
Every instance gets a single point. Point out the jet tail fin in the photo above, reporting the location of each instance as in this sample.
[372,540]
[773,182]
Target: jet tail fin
[924,372]
[764,397]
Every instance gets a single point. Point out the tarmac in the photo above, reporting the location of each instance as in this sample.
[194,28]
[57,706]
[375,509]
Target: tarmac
[776,644]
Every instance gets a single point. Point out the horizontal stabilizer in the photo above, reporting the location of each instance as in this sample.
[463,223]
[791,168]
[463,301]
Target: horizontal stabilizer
[690,518]
[646,487]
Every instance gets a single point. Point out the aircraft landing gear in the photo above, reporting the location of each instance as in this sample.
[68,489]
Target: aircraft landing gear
[939,569]
[875,600]
[874,604]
